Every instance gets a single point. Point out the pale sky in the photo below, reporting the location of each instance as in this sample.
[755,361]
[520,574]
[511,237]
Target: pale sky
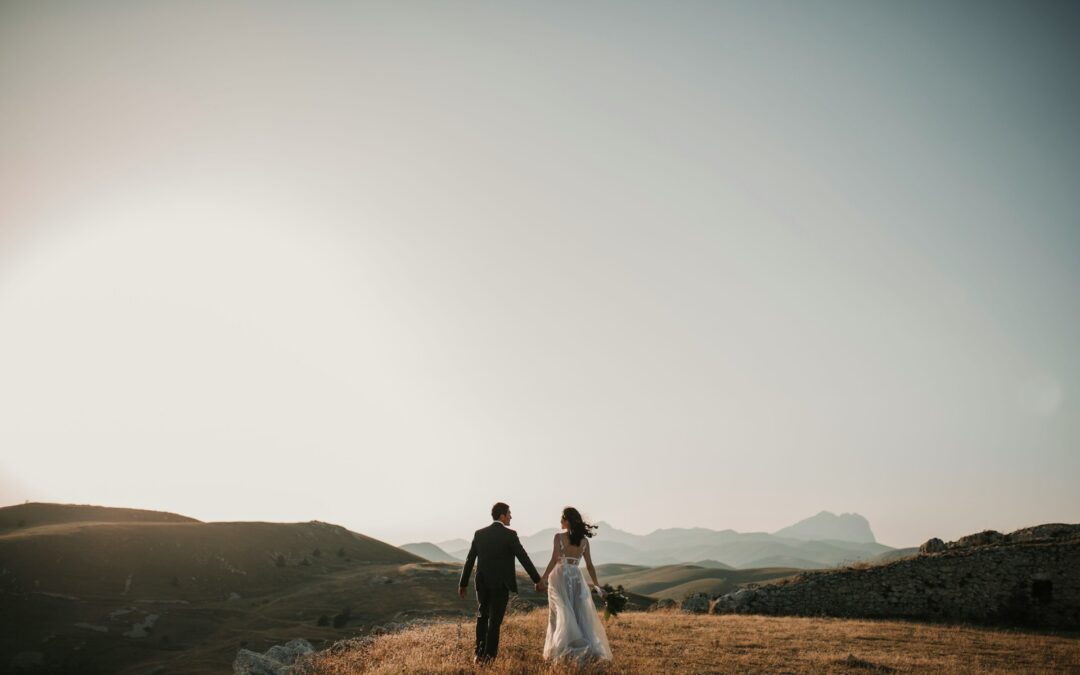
[718,264]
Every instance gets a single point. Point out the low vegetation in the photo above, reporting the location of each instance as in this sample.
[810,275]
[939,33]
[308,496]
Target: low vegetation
[672,642]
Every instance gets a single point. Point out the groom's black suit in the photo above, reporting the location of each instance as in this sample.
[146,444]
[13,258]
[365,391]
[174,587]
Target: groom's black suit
[496,546]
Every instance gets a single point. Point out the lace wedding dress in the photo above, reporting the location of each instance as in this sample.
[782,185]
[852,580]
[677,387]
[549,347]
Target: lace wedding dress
[575,630]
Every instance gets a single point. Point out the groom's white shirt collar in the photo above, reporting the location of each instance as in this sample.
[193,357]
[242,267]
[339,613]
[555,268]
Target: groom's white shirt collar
[499,522]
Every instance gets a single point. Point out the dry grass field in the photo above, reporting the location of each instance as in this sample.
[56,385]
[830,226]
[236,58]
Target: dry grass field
[671,642]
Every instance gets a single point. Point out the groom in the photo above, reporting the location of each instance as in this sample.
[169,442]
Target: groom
[496,546]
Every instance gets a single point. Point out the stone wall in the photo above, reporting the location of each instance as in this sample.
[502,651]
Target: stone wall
[1029,577]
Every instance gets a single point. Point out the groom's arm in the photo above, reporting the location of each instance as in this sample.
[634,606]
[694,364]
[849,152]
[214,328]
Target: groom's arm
[466,571]
[521,555]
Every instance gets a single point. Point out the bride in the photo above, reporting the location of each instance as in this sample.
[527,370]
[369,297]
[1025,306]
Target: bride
[574,630]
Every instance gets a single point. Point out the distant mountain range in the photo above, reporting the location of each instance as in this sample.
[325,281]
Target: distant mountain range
[823,540]
[430,551]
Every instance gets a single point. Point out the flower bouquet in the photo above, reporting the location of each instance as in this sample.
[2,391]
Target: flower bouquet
[614,600]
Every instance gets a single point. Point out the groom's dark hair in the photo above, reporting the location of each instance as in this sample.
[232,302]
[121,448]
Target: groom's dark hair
[499,509]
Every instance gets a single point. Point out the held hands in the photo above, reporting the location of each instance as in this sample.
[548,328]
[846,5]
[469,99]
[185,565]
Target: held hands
[540,586]
[461,592]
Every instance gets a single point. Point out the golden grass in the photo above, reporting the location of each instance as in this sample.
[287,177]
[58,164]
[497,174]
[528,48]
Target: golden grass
[671,642]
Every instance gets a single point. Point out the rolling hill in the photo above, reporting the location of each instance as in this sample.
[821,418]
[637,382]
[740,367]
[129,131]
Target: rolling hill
[154,589]
[895,554]
[676,581]
[429,551]
[34,514]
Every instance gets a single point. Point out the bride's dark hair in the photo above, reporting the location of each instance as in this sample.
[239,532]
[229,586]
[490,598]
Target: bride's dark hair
[578,527]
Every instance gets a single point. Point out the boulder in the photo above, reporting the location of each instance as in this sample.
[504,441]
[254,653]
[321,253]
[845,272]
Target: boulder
[248,662]
[934,545]
[278,660]
[387,628]
[733,602]
[663,604]
[984,538]
[698,603]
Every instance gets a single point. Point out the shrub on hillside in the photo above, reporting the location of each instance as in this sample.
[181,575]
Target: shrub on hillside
[341,619]
[280,561]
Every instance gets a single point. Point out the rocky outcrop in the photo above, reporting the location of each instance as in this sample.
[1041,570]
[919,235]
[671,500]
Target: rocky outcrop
[698,603]
[933,545]
[1026,577]
[278,660]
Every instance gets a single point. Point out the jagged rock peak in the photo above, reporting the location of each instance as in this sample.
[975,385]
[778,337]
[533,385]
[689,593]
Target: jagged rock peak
[827,525]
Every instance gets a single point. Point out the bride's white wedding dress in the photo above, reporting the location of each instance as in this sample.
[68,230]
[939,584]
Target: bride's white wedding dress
[575,630]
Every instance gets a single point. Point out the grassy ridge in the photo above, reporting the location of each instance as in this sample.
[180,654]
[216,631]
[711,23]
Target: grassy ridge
[36,514]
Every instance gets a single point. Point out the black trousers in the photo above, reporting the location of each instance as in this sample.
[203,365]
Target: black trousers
[491,606]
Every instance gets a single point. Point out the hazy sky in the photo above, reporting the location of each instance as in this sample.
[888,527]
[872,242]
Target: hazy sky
[720,264]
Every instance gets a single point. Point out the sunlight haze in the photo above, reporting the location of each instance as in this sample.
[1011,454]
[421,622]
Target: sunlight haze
[677,264]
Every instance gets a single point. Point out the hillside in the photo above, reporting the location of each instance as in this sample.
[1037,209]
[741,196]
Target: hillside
[34,514]
[1026,577]
[115,597]
[429,551]
[676,581]
[714,564]
[896,554]
[663,642]
[455,547]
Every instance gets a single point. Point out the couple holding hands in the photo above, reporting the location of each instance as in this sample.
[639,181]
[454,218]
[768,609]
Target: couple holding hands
[574,630]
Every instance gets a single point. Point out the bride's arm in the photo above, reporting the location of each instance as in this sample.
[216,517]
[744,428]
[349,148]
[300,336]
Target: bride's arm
[554,558]
[589,565]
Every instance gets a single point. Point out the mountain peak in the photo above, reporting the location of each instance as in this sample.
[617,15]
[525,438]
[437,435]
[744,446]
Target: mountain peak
[429,551]
[827,525]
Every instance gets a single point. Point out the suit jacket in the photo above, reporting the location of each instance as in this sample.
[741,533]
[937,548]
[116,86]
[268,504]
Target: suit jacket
[496,546]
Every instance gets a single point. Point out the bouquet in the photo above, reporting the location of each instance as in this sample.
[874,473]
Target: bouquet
[614,600]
